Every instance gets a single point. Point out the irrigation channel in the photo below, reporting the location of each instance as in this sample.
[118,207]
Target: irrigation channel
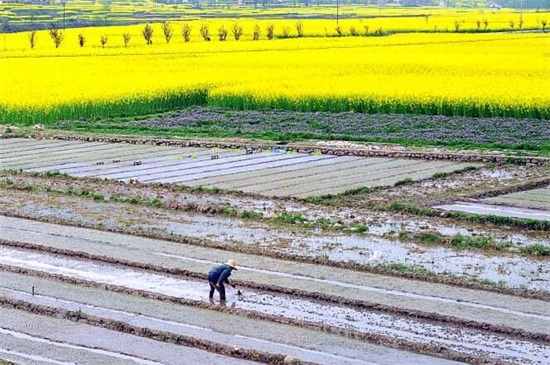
[107,263]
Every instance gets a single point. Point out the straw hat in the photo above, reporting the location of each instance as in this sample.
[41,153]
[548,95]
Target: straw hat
[232,263]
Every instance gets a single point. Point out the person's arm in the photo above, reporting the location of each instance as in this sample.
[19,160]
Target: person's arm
[224,276]
[229,283]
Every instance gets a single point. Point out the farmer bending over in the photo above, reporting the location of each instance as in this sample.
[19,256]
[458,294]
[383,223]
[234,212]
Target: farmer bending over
[220,275]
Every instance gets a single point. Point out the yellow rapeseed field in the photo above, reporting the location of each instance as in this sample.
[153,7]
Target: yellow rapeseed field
[448,73]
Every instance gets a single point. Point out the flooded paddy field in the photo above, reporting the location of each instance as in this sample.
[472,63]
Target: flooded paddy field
[55,341]
[209,323]
[310,312]
[361,250]
[528,316]
[115,246]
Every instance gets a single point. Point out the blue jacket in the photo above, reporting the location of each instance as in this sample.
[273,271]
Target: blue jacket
[220,274]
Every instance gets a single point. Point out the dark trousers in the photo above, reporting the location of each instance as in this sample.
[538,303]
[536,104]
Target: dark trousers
[212,283]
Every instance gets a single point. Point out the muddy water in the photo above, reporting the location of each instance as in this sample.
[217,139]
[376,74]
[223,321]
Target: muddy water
[365,249]
[371,289]
[248,332]
[467,341]
[379,223]
[10,354]
[27,338]
[24,336]
[194,331]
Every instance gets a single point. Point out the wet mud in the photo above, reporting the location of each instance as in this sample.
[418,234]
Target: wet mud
[526,277]
[347,213]
[243,223]
[78,316]
[427,317]
[432,349]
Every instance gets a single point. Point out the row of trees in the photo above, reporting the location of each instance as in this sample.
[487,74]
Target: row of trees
[57,35]
[237,32]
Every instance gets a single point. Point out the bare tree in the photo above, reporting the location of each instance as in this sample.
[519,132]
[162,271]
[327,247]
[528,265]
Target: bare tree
[103,40]
[168,31]
[222,33]
[148,34]
[57,35]
[205,33]
[32,39]
[186,32]
[457,25]
[81,40]
[270,31]
[300,29]
[237,31]
[256,33]
[126,37]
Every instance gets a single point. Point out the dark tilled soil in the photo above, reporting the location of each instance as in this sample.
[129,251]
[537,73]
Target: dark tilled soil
[424,128]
